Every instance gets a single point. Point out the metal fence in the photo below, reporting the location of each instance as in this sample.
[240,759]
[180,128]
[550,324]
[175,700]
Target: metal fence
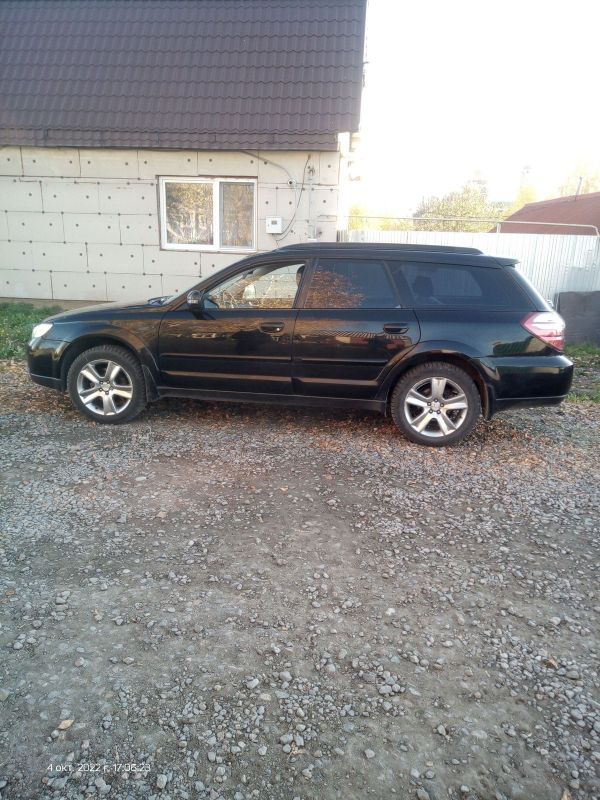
[553,262]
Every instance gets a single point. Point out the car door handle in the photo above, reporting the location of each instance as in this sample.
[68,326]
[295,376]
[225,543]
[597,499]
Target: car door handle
[272,327]
[395,327]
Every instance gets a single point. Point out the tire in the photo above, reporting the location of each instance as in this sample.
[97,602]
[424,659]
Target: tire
[106,384]
[433,387]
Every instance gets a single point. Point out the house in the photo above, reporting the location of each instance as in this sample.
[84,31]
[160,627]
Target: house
[146,143]
[576,215]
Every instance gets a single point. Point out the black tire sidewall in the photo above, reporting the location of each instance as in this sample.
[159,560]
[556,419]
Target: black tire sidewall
[133,367]
[431,370]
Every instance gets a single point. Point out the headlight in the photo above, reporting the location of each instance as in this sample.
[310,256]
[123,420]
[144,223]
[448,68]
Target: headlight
[40,330]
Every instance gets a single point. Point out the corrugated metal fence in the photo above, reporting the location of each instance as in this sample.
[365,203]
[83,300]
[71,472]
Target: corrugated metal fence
[553,263]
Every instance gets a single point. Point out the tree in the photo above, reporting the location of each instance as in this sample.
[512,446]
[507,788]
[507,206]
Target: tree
[589,177]
[360,220]
[526,194]
[395,224]
[357,218]
[470,202]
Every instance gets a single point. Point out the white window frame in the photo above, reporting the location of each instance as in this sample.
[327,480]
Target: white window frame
[216,182]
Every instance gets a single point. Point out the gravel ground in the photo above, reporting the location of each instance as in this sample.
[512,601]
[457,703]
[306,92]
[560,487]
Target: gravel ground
[251,602]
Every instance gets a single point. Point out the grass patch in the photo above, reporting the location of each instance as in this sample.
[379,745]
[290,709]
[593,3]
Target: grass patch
[16,322]
[585,352]
[586,383]
[582,397]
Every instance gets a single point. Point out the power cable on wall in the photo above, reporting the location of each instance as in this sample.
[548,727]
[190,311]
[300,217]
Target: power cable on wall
[292,183]
[291,222]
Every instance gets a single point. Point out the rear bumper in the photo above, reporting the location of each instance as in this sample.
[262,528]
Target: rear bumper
[526,402]
[523,381]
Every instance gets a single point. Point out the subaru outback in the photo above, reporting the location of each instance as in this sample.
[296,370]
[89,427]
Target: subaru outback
[433,336]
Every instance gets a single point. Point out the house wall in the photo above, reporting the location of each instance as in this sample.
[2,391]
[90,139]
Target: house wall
[82,224]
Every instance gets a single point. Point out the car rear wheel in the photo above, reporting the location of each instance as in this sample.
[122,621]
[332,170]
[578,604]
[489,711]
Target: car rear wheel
[106,383]
[435,404]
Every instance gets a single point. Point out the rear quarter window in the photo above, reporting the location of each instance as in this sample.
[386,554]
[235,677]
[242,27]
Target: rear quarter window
[458,286]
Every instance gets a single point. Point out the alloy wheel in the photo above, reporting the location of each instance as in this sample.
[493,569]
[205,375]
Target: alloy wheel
[435,407]
[104,387]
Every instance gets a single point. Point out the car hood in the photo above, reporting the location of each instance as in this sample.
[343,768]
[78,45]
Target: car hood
[105,309]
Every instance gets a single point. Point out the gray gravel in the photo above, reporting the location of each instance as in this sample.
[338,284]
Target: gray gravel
[251,602]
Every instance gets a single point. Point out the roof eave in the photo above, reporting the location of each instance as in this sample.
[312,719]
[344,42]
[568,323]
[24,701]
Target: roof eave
[169,140]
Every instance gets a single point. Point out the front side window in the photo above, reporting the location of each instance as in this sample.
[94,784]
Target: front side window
[208,214]
[264,286]
[350,283]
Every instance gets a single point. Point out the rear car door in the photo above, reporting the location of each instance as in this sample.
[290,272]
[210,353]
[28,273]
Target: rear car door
[350,328]
[240,339]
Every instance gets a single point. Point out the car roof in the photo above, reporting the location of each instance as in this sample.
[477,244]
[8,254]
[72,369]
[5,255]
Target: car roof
[444,254]
[377,246]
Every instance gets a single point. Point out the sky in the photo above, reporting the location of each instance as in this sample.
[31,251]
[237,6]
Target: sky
[459,89]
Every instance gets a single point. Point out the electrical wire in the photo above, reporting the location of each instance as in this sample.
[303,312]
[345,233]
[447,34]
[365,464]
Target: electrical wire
[292,182]
[291,222]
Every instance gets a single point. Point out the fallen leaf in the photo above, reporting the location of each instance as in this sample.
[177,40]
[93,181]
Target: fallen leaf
[66,723]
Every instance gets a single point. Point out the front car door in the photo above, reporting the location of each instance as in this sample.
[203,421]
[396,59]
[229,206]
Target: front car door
[240,338]
[350,329]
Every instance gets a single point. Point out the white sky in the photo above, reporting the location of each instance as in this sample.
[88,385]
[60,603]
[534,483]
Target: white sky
[460,87]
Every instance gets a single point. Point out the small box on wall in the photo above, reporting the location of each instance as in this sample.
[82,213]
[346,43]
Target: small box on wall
[274,225]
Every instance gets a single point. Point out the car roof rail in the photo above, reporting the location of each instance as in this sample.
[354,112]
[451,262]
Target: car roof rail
[384,246]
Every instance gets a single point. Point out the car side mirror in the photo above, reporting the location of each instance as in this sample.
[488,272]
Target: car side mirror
[194,299]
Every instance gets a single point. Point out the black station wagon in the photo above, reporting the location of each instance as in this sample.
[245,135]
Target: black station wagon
[434,336]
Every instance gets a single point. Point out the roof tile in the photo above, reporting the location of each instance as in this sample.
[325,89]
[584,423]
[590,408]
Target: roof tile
[567,213]
[224,74]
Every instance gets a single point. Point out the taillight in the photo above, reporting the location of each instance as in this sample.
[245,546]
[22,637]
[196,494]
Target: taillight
[547,326]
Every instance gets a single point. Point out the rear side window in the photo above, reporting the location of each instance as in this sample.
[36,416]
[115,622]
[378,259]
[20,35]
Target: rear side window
[350,283]
[458,286]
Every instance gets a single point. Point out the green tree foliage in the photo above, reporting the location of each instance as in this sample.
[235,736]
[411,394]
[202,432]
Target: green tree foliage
[395,224]
[360,220]
[470,202]
[590,181]
[526,194]
[357,218]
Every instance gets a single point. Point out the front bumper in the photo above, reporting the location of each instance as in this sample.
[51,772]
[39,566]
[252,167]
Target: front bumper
[43,362]
[44,380]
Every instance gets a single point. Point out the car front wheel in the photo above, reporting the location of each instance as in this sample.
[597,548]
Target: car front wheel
[106,383]
[435,404]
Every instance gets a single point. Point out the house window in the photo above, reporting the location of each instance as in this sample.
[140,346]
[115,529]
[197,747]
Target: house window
[208,213]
